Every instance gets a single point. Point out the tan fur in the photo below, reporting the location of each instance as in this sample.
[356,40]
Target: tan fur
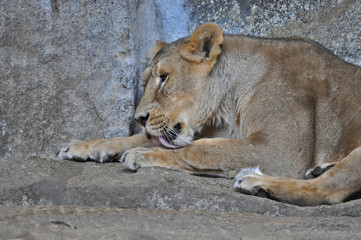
[159,45]
[286,105]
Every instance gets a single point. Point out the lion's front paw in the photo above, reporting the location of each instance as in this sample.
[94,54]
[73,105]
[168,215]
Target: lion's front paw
[251,181]
[94,150]
[133,158]
[76,150]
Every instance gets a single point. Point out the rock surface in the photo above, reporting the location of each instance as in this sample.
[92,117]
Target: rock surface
[41,198]
[67,71]
[79,222]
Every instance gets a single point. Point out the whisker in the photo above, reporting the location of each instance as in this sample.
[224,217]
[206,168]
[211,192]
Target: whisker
[167,131]
[181,139]
[170,130]
[166,136]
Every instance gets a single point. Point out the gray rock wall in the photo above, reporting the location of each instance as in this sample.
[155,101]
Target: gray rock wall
[70,69]
[67,71]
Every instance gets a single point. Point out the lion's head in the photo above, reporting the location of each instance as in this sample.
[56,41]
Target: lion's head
[176,102]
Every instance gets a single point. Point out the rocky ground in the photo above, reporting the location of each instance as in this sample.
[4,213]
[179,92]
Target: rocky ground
[49,199]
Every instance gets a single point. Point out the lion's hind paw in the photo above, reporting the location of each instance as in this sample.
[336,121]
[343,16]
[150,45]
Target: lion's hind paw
[318,170]
[249,181]
[245,171]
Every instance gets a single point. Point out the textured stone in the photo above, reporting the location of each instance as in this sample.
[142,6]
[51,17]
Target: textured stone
[46,199]
[68,71]
[42,181]
[79,222]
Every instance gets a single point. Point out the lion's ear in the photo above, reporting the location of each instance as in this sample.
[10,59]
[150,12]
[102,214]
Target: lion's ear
[204,44]
[159,45]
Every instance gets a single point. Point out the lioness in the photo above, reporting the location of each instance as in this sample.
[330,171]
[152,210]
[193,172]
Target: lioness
[214,104]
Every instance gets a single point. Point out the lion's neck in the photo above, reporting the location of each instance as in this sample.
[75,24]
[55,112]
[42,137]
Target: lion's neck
[233,80]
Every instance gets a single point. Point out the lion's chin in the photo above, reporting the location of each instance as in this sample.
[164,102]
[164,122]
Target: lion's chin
[161,141]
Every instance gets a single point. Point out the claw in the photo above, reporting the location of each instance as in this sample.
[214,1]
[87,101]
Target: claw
[122,158]
[129,163]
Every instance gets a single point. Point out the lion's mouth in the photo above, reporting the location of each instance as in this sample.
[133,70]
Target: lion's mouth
[162,141]
[168,137]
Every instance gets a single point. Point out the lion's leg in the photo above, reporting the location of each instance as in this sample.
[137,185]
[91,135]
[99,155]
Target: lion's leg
[101,149]
[204,156]
[218,157]
[333,186]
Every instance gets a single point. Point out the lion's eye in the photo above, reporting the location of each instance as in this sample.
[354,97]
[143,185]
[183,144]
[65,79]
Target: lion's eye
[163,78]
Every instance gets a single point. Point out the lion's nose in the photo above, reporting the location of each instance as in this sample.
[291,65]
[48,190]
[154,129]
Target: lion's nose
[142,119]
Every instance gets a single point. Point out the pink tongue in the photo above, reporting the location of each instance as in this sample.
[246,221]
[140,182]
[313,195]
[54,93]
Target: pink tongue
[158,141]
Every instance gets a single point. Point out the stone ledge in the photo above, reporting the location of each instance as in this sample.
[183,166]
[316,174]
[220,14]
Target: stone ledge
[37,181]
[46,199]
[80,222]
